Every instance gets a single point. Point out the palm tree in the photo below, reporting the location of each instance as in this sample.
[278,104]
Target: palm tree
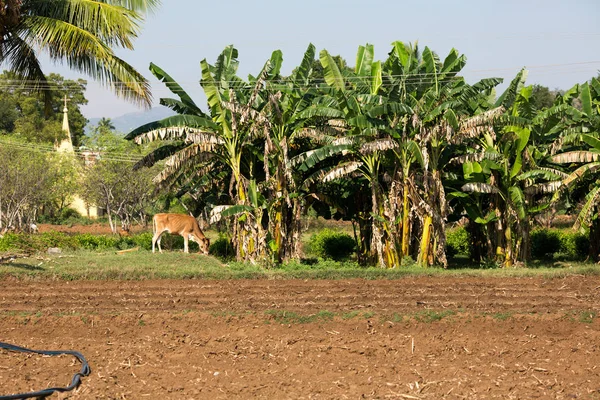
[106,124]
[507,167]
[438,110]
[280,110]
[217,144]
[80,33]
[581,130]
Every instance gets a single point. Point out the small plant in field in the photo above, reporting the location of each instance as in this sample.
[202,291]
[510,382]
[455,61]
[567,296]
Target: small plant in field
[349,315]
[501,316]
[325,315]
[433,316]
[395,318]
[288,317]
[587,317]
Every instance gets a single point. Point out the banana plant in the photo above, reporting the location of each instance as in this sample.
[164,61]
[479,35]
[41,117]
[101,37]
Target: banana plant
[358,144]
[279,112]
[199,143]
[514,175]
[440,104]
[581,151]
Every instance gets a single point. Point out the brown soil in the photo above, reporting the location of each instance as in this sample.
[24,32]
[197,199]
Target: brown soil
[199,339]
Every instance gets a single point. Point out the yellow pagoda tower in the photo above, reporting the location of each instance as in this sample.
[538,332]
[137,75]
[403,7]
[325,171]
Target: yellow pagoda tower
[66,147]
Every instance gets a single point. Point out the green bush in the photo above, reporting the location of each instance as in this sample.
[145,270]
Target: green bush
[222,248]
[97,242]
[458,241]
[574,245]
[549,243]
[544,243]
[41,242]
[330,244]
[143,240]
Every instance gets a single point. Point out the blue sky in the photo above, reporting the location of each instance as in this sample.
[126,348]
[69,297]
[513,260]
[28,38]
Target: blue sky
[558,41]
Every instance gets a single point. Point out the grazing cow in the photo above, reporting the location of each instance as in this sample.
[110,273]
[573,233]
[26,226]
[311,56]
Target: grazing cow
[179,224]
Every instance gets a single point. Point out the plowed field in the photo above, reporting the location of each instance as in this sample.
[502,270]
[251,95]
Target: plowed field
[412,338]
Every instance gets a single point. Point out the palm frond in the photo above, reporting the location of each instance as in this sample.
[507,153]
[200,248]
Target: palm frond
[575,157]
[341,171]
[482,123]
[479,187]
[378,145]
[182,158]
[310,158]
[177,124]
[322,135]
[580,172]
[157,155]
[224,211]
[112,24]
[585,215]
[543,188]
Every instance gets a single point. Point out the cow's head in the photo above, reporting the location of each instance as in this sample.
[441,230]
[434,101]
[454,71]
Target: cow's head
[203,243]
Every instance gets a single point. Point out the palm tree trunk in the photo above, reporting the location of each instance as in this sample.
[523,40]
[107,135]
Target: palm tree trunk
[405,220]
[508,257]
[377,240]
[423,258]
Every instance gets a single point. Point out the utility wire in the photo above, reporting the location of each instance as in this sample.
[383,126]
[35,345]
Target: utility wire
[41,148]
[411,77]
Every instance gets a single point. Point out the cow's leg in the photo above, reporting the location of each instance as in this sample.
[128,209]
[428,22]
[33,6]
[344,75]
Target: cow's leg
[185,243]
[156,239]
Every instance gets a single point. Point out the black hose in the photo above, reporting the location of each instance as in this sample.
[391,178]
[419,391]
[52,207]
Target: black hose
[85,371]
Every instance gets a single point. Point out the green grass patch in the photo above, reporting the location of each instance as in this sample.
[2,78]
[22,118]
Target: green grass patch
[587,317]
[288,317]
[143,264]
[429,316]
[501,316]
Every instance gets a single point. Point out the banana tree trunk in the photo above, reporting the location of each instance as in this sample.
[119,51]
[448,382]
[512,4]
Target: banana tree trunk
[425,248]
[508,257]
[295,229]
[377,240]
[405,220]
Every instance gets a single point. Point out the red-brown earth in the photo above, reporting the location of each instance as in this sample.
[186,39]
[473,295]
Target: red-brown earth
[411,338]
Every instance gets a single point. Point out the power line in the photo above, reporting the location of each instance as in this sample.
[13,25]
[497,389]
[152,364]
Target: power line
[31,84]
[46,149]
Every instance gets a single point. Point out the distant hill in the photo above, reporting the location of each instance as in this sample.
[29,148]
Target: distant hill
[127,122]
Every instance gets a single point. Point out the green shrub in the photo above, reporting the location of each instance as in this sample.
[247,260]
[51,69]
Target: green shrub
[458,241]
[143,240]
[548,243]
[41,242]
[544,243]
[97,242]
[574,245]
[330,244]
[222,248]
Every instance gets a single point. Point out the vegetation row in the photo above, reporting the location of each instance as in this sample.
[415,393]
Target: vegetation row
[401,147]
